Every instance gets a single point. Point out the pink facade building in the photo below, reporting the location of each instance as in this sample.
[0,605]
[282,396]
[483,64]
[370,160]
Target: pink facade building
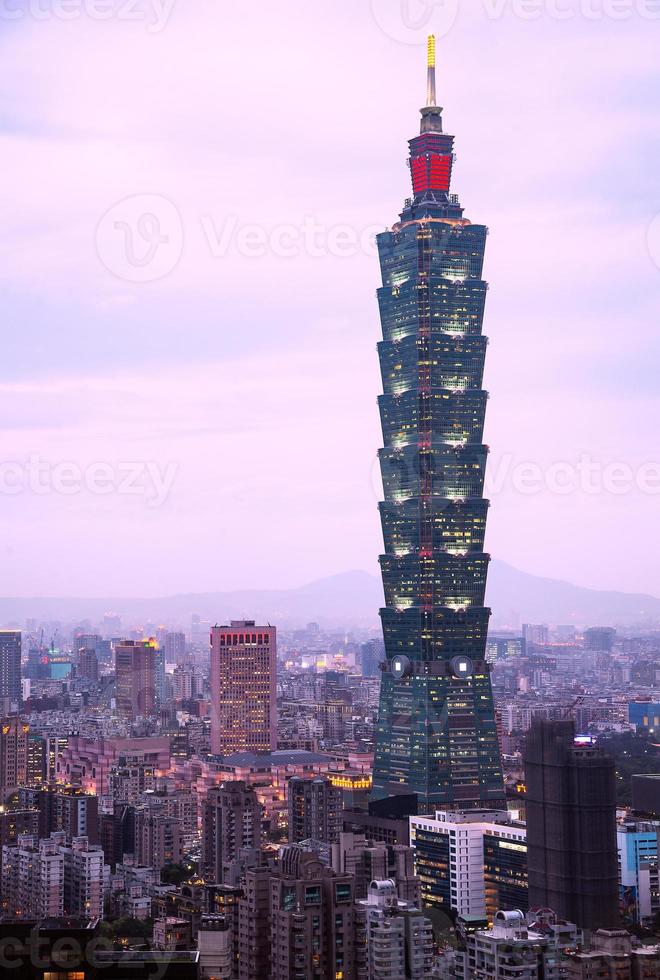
[87,762]
[243,688]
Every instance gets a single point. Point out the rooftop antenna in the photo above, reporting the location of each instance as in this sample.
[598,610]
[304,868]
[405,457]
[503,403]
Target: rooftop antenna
[430,89]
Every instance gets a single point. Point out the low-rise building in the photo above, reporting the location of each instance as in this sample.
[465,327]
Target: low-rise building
[513,947]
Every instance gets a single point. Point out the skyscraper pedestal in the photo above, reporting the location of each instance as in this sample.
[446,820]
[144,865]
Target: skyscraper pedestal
[436,734]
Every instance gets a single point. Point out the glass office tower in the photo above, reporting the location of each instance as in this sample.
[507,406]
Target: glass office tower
[436,734]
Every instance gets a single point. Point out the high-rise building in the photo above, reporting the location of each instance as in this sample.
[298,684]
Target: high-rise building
[14,736]
[160,678]
[312,919]
[10,671]
[315,810]
[38,665]
[215,942]
[535,634]
[637,842]
[65,808]
[36,765]
[397,936]
[371,655]
[87,664]
[49,878]
[16,821]
[243,688]
[55,746]
[599,638]
[174,645]
[157,838]
[130,778]
[436,734]
[254,945]
[231,823]
[365,860]
[83,878]
[33,877]
[472,862]
[571,826]
[368,861]
[135,680]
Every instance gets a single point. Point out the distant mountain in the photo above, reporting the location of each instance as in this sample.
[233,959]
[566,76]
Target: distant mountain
[352,599]
[517,596]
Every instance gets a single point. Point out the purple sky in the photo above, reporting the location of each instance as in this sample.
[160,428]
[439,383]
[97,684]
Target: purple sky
[268,139]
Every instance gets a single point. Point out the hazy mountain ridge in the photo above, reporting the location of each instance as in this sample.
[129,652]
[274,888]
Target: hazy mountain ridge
[351,599]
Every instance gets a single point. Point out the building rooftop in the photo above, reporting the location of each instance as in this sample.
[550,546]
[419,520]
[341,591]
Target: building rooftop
[266,760]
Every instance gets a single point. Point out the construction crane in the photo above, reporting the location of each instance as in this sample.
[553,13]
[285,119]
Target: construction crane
[578,701]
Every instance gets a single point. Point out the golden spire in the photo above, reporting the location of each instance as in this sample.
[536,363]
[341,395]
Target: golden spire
[430,88]
[431,61]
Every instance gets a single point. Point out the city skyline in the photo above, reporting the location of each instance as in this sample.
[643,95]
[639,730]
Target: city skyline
[209,774]
[565,110]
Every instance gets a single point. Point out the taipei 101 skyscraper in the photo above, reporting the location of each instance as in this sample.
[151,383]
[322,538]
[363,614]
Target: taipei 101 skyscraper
[436,734]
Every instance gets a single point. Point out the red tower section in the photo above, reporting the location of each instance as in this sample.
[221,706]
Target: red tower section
[431,162]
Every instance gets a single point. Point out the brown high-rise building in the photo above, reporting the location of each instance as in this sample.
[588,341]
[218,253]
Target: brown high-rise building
[571,826]
[231,822]
[157,838]
[243,688]
[13,755]
[254,942]
[135,680]
[297,921]
[315,810]
[87,664]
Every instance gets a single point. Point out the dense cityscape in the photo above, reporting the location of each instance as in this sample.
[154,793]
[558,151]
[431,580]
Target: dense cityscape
[435,799]
[215,812]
